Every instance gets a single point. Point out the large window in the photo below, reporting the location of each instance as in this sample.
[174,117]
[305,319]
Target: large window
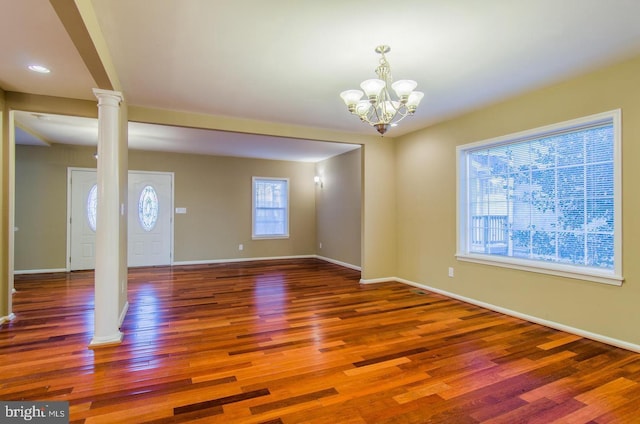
[270,207]
[546,200]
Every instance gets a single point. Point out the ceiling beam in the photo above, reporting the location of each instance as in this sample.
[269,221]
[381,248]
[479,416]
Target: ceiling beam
[246,126]
[80,22]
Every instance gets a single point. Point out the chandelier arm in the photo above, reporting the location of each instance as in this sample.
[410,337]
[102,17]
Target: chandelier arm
[402,110]
[402,116]
[374,111]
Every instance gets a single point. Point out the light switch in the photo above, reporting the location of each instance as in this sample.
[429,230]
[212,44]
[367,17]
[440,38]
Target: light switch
[181,210]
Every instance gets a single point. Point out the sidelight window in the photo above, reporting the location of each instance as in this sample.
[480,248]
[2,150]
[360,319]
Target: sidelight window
[92,207]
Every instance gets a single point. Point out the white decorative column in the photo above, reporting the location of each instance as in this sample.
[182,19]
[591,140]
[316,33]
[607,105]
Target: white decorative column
[108,221]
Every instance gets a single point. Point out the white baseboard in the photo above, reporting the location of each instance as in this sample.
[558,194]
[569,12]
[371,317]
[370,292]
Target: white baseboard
[379,280]
[39,271]
[221,261]
[123,314]
[7,318]
[211,261]
[551,324]
[344,264]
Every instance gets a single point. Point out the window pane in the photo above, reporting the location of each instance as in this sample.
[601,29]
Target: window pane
[543,245]
[571,216]
[571,248]
[521,241]
[600,250]
[600,215]
[600,180]
[570,148]
[599,145]
[571,182]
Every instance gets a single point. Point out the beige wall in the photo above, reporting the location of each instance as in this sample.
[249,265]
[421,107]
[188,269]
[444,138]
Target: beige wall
[426,200]
[215,190]
[378,211]
[41,203]
[338,208]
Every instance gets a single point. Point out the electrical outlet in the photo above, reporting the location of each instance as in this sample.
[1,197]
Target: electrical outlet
[320,245]
[240,247]
[450,271]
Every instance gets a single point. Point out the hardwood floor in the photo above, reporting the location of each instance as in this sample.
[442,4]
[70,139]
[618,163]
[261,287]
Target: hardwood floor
[301,341]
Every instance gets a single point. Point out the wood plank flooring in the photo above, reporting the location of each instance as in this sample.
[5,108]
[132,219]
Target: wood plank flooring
[301,341]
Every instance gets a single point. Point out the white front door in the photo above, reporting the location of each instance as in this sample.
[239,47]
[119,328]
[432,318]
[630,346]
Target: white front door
[150,207]
[82,229]
[149,228]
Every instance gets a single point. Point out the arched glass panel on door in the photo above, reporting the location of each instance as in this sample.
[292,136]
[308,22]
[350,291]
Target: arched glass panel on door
[92,206]
[148,208]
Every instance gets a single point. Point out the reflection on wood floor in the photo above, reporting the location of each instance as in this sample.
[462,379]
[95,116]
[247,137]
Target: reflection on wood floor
[301,341]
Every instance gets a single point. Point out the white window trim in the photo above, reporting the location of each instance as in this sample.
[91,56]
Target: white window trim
[253,210]
[612,277]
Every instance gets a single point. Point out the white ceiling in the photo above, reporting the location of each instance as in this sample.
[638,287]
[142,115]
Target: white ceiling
[284,62]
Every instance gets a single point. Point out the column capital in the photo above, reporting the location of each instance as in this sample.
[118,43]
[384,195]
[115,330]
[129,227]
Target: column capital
[108,97]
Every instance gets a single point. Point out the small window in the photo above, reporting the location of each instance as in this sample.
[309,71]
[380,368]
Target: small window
[148,208]
[92,207]
[270,207]
[545,200]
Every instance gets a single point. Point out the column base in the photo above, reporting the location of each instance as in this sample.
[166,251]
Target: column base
[7,318]
[115,339]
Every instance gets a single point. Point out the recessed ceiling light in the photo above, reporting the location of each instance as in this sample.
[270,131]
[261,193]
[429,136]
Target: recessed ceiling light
[39,68]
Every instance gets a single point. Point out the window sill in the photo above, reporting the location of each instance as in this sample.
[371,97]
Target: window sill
[603,277]
[269,237]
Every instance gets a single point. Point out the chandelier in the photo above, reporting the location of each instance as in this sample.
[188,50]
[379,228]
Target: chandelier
[379,109]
